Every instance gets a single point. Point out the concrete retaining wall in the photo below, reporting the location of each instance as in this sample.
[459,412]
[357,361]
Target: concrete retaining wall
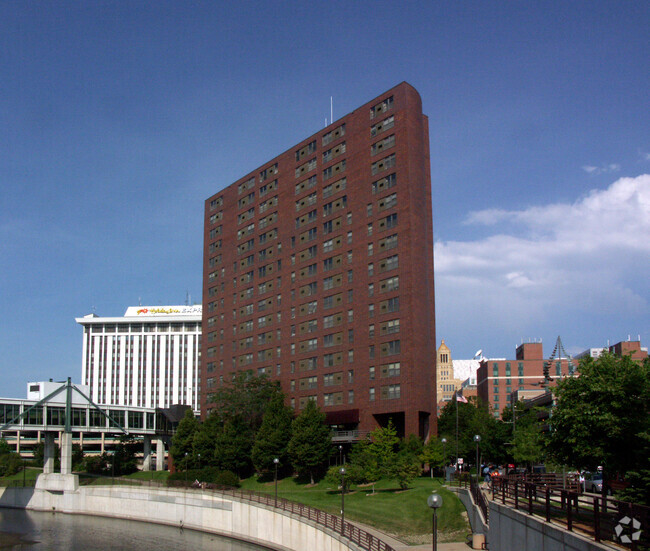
[187,508]
[512,530]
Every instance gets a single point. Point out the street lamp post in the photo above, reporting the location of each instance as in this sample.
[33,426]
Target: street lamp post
[434,501]
[340,455]
[477,439]
[185,468]
[342,472]
[275,462]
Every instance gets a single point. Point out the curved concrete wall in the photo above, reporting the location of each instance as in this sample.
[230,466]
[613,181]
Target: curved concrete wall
[192,509]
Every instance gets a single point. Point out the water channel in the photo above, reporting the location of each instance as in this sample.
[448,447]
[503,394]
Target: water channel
[34,531]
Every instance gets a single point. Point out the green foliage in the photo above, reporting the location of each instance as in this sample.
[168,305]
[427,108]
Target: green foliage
[384,447]
[474,418]
[10,463]
[182,443]
[233,447]
[245,397]
[77,457]
[310,444]
[123,457]
[352,476]
[5,448]
[528,444]
[97,464]
[364,465]
[405,468]
[226,439]
[433,453]
[638,490]
[383,455]
[602,417]
[272,439]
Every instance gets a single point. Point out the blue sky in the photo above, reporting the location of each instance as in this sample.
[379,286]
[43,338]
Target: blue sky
[118,119]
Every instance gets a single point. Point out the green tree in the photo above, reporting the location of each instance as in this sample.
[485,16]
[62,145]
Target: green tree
[203,443]
[528,444]
[384,447]
[474,417]
[273,437]
[246,397]
[4,447]
[433,454]
[182,443]
[602,417]
[311,442]
[123,458]
[233,447]
[365,463]
[404,468]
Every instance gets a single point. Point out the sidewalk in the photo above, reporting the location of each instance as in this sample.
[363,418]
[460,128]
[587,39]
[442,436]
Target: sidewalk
[401,546]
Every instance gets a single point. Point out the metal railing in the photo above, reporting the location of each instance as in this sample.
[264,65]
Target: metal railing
[597,516]
[365,540]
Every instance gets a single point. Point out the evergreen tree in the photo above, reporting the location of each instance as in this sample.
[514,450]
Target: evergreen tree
[181,449]
[384,447]
[311,442]
[272,439]
[233,447]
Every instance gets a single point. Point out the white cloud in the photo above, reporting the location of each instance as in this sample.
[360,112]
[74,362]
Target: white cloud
[564,269]
[612,167]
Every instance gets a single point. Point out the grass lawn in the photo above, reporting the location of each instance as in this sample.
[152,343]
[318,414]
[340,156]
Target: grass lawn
[402,513]
[30,474]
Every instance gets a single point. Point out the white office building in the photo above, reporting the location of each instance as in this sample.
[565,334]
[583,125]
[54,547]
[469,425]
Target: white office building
[148,358]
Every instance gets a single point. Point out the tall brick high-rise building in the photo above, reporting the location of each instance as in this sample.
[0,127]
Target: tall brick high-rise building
[318,271]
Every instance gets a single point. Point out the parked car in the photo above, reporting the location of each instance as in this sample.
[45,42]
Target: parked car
[593,482]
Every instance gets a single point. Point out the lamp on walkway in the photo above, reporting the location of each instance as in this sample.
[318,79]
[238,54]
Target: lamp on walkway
[434,501]
[477,439]
[275,462]
[342,472]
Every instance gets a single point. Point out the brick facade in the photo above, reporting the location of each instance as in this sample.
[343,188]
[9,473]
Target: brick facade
[318,271]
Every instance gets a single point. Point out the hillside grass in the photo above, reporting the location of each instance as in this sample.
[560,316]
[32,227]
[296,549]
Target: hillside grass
[401,513]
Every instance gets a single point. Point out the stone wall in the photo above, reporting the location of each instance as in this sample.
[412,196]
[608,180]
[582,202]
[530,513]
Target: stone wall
[192,509]
[512,530]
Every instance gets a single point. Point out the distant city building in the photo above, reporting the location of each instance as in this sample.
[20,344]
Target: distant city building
[624,348]
[497,380]
[148,358]
[318,272]
[589,353]
[454,376]
[447,382]
[629,348]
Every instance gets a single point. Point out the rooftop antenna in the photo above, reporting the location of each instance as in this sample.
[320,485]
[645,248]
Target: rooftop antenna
[331,109]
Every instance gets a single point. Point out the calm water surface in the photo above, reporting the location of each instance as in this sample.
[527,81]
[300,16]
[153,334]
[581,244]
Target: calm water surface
[32,531]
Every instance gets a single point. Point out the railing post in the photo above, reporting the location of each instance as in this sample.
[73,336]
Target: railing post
[503,491]
[548,504]
[516,494]
[569,514]
[530,499]
[596,519]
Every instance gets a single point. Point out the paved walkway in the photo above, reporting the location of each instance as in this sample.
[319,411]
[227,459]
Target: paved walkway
[401,546]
